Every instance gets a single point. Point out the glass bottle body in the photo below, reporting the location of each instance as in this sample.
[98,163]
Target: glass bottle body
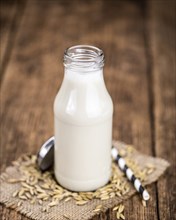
[83,130]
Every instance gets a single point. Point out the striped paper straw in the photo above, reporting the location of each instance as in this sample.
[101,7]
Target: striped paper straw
[129,174]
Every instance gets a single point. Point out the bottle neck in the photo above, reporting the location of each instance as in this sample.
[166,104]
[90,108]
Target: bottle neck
[84,77]
[84,59]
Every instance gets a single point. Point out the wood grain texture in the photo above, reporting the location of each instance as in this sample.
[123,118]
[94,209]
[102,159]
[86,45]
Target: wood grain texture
[10,15]
[35,72]
[162,29]
[7,13]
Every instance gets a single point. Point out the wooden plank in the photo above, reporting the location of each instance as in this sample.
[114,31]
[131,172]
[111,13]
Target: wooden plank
[162,26]
[7,13]
[129,88]
[35,72]
[10,15]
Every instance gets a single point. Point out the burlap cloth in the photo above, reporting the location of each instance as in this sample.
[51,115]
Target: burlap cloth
[70,208]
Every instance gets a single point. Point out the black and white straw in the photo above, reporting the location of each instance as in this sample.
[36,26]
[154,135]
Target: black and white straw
[129,174]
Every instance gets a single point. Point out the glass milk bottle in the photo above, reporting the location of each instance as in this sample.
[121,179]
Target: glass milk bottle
[83,113]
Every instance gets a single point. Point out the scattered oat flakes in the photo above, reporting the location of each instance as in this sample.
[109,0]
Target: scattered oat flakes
[15,193]
[38,187]
[19,203]
[144,203]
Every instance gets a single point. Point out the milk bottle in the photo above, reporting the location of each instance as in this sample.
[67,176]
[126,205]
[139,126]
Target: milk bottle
[83,122]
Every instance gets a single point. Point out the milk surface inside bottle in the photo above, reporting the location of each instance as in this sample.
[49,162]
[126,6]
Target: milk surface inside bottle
[83,122]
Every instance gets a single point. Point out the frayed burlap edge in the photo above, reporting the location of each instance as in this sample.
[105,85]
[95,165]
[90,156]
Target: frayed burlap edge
[70,208]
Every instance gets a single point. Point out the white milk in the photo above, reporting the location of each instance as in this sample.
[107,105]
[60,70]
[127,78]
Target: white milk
[83,131]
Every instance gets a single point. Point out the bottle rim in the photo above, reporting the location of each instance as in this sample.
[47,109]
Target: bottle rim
[84,57]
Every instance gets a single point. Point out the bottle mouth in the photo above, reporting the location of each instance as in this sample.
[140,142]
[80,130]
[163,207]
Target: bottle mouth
[84,58]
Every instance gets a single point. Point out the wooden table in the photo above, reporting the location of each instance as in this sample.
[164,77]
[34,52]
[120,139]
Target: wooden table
[138,39]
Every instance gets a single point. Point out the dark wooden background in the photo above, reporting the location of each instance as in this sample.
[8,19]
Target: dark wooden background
[138,38]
